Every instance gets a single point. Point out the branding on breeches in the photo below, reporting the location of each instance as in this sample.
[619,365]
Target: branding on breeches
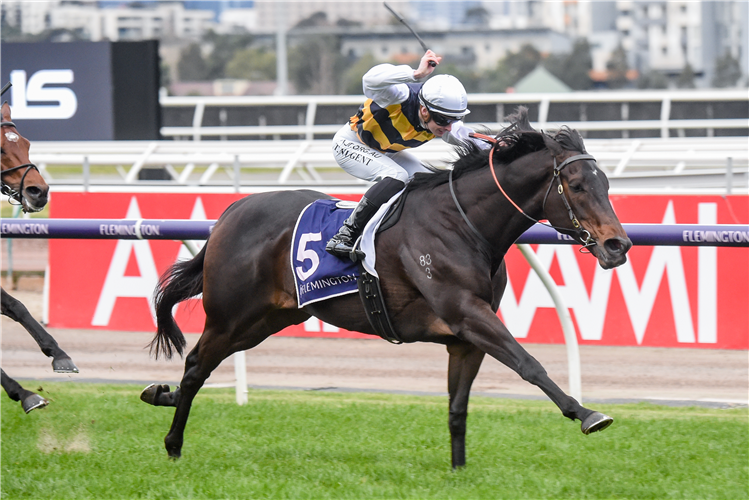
[318,274]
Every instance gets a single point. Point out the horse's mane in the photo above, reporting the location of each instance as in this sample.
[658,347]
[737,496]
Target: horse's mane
[519,139]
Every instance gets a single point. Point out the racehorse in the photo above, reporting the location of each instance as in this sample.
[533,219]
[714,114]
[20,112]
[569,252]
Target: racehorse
[460,221]
[24,185]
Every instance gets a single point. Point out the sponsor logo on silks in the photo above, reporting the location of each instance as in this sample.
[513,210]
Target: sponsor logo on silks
[23,95]
[25,228]
[716,236]
[318,274]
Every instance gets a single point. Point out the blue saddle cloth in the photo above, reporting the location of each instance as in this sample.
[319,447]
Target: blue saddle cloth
[318,274]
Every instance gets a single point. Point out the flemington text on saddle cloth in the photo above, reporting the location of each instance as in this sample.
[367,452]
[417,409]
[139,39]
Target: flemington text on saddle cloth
[318,274]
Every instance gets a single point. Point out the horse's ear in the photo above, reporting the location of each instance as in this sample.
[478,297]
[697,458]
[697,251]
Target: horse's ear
[6,111]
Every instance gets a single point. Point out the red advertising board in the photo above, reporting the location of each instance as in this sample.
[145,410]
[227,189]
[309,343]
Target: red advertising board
[663,296]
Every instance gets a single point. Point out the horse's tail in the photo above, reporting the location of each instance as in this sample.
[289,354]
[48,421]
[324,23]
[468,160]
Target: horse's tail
[181,281]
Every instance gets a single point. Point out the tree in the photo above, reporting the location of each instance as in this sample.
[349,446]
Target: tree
[652,80]
[191,66]
[573,68]
[223,49]
[618,67]
[315,65]
[511,69]
[165,77]
[471,80]
[477,16]
[252,64]
[10,33]
[685,80]
[351,83]
[727,71]
[316,19]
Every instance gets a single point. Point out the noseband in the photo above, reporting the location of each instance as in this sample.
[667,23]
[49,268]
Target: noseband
[5,189]
[580,233]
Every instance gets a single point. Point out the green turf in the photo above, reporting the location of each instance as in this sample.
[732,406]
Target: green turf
[8,211]
[101,441]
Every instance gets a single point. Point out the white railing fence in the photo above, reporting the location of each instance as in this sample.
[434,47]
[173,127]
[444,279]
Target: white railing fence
[625,116]
[710,163]
[650,146]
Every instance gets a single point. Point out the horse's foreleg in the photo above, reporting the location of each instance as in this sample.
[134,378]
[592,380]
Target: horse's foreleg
[483,329]
[464,364]
[15,310]
[29,400]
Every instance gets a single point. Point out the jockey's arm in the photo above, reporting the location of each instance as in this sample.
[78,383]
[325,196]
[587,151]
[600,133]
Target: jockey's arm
[458,135]
[385,84]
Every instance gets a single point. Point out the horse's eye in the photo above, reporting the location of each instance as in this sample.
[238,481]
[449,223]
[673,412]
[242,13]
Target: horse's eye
[577,188]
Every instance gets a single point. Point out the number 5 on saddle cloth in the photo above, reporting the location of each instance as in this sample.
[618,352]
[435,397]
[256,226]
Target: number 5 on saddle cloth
[320,275]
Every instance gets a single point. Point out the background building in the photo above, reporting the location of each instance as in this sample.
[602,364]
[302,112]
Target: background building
[658,36]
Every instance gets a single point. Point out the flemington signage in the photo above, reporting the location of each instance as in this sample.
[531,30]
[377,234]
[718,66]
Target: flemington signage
[663,296]
[129,230]
[9,229]
[717,236]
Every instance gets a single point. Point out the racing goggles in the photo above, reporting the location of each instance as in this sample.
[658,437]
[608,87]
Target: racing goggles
[442,120]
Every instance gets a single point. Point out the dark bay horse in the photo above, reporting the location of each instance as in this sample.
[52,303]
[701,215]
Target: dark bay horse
[460,221]
[24,185]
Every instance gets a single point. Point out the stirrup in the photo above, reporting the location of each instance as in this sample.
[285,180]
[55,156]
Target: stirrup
[356,253]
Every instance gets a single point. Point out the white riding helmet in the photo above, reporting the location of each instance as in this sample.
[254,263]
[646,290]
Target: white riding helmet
[444,94]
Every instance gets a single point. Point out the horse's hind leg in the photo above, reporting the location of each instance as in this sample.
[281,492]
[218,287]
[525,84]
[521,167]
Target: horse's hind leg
[15,310]
[29,400]
[214,346]
[465,361]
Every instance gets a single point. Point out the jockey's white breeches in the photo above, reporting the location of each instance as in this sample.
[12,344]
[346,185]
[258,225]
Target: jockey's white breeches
[369,164]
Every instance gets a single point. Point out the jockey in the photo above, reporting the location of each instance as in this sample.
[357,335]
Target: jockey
[399,114]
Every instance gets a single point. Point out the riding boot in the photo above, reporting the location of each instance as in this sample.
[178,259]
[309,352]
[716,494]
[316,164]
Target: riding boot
[342,244]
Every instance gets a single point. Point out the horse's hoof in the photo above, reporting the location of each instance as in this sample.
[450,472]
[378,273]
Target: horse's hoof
[174,450]
[33,402]
[151,393]
[595,422]
[64,365]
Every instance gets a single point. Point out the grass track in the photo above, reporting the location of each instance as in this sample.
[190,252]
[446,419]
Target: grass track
[101,441]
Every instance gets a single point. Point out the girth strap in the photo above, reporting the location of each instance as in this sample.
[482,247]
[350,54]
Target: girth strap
[374,306]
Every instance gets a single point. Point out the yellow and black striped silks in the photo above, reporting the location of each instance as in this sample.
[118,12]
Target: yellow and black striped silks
[393,128]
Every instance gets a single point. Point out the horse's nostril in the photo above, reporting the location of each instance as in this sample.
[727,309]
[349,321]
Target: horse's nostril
[616,246]
[36,193]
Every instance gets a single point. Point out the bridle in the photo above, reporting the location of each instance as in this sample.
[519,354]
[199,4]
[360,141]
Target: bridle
[580,233]
[5,189]
[12,194]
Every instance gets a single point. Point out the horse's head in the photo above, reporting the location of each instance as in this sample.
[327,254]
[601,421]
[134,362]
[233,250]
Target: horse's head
[577,199]
[21,180]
